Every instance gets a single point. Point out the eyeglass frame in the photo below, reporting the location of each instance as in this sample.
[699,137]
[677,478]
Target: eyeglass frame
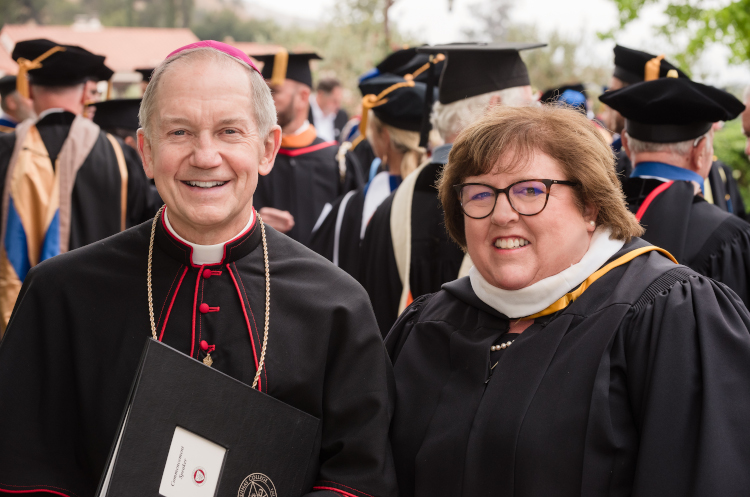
[547,182]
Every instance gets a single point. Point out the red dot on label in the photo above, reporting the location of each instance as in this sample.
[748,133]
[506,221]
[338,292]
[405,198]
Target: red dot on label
[204,345]
[203,308]
[206,273]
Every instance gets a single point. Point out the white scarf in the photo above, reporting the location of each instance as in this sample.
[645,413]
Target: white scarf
[542,294]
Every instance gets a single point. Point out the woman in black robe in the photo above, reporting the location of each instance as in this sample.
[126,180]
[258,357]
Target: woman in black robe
[575,359]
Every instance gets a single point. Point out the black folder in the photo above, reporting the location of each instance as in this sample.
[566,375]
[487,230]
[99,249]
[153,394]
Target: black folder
[270,446]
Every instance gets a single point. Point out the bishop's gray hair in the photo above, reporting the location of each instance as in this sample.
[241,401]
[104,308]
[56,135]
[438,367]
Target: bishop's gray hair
[263,109]
[450,119]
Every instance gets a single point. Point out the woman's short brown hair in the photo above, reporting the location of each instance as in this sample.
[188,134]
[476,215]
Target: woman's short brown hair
[514,134]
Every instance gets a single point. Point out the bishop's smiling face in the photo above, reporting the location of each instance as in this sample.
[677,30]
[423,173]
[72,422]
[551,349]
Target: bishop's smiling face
[205,151]
[512,251]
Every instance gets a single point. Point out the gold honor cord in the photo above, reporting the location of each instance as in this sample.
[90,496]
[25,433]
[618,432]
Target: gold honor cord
[652,68]
[570,297]
[26,65]
[280,63]
[268,290]
[372,101]
[433,60]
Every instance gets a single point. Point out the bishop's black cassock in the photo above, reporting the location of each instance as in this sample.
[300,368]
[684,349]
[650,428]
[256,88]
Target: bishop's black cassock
[76,336]
[700,235]
[640,387]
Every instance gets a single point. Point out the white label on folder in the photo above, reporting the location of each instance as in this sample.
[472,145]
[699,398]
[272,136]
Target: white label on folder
[193,466]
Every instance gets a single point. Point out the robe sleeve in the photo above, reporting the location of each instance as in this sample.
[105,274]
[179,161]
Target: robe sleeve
[401,330]
[727,258]
[39,419]
[686,350]
[355,452]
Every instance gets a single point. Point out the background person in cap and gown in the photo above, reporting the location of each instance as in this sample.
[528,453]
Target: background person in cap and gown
[357,153]
[669,137]
[75,340]
[558,367]
[306,175]
[635,66]
[15,108]
[394,109]
[406,251]
[65,182]
[326,113]
[146,74]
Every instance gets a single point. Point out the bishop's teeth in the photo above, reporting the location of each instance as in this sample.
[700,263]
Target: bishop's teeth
[510,243]
[205,184]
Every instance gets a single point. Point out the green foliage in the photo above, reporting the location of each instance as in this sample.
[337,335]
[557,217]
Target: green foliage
[702,21]
[729,147]
[218,25]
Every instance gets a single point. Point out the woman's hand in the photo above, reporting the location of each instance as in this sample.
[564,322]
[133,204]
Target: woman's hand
[279,220]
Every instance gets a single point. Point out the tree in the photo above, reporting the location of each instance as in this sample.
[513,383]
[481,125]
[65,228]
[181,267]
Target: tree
[701,21]
[557,64]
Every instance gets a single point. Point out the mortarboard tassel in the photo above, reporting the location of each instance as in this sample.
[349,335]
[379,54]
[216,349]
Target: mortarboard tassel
[652,69]
[280,62]
[26,65]
[429,98]
[372,101]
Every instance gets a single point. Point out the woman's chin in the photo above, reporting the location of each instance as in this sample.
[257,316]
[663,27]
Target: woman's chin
[510,280]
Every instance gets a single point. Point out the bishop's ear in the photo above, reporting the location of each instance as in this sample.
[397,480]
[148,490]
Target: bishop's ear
[270,149]
[144,150]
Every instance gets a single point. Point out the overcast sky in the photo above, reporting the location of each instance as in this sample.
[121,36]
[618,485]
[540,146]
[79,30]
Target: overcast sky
[430,20]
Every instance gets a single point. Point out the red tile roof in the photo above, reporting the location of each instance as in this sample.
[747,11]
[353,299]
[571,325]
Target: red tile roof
[125,48]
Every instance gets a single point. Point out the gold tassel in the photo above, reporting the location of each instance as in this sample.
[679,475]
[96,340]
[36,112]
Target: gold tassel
[26,65]
[280,62]
[673,73]
[110,84]
[652,69]
[433,60]
[372,101]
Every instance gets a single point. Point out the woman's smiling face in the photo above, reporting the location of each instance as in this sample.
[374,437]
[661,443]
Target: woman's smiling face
[512,251]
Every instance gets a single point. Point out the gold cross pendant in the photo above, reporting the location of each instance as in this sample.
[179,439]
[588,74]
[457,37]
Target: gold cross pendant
[207,360]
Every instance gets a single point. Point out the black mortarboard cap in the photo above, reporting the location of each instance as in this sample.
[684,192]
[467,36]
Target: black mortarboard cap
[70,65]
[476,68]
[630,65]
[146,73]
[7,85]
[669,110]
[403,106]
[119,113]
[284,65]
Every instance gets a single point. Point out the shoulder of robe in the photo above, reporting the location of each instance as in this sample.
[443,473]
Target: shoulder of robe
[401,329]
[7,142]
[296,262]
[114,253]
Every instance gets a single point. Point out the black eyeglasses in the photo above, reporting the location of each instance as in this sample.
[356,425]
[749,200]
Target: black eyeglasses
[528,197]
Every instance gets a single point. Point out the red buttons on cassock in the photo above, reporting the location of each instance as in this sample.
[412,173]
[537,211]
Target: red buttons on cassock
[203,308]
[207,273]
[204,345]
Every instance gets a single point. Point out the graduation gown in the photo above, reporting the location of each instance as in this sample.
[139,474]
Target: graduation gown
[434,257]
[339,233]
[76,336]
[640,387]
[709,240]
[302,181]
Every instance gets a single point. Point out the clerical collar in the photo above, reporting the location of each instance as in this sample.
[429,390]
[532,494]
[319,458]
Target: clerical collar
[666,172]
[190,253]
[540,295]
[47,112]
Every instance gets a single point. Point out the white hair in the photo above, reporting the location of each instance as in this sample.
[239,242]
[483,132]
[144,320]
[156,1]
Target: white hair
[450,119]
[263,109]
[678,148]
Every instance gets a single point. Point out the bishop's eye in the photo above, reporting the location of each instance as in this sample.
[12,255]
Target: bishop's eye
[230,131]
[179,132]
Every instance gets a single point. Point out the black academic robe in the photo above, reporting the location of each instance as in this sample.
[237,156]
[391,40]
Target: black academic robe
[640,387]
[96,203]
[435,257]
[358,163]
[302,181]
[338,236]
[76,336]
[700,235]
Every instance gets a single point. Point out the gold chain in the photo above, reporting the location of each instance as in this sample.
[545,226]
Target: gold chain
[268,290]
